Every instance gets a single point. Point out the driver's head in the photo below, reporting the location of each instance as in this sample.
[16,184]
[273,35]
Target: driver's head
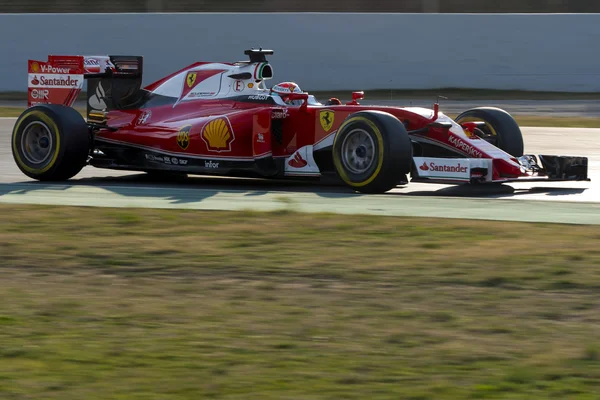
[284,89]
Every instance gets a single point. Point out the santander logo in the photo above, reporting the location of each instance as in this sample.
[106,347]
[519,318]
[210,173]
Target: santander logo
[443,168]
[298,161]
[35,81]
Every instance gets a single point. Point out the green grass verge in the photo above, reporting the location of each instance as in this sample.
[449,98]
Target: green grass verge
[149,304]
[10,111]
[557,122]
[540,121]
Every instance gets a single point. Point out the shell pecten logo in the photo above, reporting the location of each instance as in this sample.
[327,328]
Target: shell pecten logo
[218,135]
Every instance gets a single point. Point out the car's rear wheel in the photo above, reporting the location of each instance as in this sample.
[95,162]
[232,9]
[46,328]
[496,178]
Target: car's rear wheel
[50,142]
[372,152]
[499,128]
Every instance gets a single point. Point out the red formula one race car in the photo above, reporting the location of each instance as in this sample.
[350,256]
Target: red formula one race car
[221,119]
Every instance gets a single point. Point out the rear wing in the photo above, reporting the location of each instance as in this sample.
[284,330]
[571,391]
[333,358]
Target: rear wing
[113,81]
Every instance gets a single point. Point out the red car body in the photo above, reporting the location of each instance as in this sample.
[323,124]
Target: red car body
[219,118]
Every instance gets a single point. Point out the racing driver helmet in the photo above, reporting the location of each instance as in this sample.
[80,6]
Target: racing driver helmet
[285,88]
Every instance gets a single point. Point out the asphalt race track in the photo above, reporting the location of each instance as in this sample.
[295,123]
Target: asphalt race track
[572,202]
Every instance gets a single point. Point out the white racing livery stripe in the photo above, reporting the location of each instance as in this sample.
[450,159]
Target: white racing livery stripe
[327,141]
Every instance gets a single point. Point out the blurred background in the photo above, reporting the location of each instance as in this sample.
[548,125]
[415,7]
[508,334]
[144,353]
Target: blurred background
[400,6]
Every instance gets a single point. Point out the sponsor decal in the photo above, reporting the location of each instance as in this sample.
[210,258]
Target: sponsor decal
[96,101]
[443,168]
[40,94]
[250,85]
[238,86]
[166,159]
[91,65]
[260,97]
[97,64]
[35,67]
[201,94]
[260,138]
[60,81]
[464,146]
[144,117]
[280,114]
[302,162]
[49,69]
[190,79]
[211,164]
[298,161]
[183,137]
[94,65]
[218,135]
[453,168]
[326,117]
[287,87]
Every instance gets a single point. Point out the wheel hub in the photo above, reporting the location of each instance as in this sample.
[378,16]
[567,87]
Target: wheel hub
[361,151]
[36,143]
[358,151]
[44,143]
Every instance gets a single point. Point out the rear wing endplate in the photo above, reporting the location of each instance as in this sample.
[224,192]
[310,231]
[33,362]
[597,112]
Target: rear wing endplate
[60,79]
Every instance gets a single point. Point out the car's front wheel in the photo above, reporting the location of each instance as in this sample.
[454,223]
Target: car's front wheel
[498,127]
[372,152]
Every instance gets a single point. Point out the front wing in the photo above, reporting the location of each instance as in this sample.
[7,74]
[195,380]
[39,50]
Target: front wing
[481,170]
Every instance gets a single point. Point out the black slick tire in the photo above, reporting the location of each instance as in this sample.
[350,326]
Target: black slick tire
[498,123]
[382,152]
[50,142]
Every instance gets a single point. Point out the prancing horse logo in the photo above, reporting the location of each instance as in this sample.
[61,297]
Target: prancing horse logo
[191,79]
[326,117]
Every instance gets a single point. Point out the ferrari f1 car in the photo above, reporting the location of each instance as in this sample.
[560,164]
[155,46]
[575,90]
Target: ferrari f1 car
[221,119]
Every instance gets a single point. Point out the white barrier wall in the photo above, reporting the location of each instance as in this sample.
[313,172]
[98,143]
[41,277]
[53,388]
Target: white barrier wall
[549,52]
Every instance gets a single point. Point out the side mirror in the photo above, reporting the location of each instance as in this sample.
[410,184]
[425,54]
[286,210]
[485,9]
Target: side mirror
[299,96]
[355,97]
